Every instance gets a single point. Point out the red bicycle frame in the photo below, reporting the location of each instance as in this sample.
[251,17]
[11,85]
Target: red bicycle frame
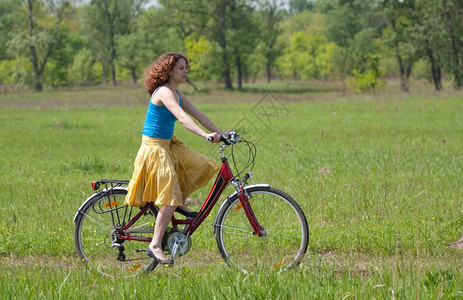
[223,178]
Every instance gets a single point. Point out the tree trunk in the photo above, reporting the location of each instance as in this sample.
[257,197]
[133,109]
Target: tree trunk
[134,75]
[435,68]
[227,79]
[403,70]
[456,69]
[403,78]
[110,18]
[103,73]
[192,84]
[113,73]
[239,71]
[268,70]
[33,53]
[113,56]
[223,44]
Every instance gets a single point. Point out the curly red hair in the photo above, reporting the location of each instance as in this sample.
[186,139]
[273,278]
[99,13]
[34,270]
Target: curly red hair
[157,73]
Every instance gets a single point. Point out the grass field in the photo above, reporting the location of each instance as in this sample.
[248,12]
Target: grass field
[378,176]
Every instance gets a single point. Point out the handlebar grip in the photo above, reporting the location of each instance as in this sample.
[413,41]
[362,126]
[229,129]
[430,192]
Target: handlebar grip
[224,139]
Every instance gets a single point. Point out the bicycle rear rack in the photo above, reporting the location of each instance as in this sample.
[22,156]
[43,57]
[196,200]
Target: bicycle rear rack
[109,183]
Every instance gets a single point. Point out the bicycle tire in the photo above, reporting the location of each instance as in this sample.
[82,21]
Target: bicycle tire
[287,232]
[95,235]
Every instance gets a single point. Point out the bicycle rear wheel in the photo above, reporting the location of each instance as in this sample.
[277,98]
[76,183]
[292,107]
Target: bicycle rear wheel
[96,235]
[286,238]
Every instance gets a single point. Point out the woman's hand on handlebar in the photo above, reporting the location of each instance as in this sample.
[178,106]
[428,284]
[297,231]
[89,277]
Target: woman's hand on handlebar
[213,137]
[227,133]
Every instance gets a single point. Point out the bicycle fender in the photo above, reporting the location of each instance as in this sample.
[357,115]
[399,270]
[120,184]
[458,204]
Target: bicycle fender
[94,197]
[229,197]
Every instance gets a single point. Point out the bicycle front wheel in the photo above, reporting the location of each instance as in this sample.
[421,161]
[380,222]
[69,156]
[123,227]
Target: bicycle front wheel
[97,230]
[286,238]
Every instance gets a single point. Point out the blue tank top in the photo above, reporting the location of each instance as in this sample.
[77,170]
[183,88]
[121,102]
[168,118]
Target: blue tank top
[159,120]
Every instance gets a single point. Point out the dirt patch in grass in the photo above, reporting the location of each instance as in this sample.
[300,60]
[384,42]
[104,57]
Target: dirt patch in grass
[458,244]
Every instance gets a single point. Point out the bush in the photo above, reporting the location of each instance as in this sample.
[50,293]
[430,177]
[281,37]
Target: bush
[82,69]
[369,81]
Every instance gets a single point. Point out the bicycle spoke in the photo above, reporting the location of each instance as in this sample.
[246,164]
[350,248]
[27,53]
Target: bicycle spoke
[103,226]
[286,230]
[239,230]
[98,243]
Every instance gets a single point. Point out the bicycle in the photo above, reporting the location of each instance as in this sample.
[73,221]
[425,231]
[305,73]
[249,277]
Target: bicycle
[256,226]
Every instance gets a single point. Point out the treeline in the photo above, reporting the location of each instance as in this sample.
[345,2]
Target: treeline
[57,43]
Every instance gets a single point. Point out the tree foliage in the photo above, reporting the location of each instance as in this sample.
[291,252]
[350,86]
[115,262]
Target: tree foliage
[62,42]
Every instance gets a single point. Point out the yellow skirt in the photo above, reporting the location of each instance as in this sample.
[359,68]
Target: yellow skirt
[166,172]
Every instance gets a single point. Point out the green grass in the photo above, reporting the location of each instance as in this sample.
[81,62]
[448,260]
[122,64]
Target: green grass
[378,177]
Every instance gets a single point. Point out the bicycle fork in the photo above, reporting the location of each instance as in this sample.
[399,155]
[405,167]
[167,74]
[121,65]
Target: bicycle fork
[244,197]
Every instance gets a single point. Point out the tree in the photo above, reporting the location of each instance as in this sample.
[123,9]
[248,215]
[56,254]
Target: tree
[297,6]
[427,28]
[225,23]
[212,19]
[81,72]
[130,44]
[198,50]
[353,25]
[400,36]
[308,56]
[429,35]
[104,21]
[370,79]
[9,14]
[41,39]
[271,15]
[157,35]
[452,19]
[243,35]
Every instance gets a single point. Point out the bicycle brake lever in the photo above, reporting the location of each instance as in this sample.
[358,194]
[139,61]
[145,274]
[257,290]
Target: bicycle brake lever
[246,177]
[224,139]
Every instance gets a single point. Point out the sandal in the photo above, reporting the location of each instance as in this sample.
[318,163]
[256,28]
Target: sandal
[188,214]
[166,263]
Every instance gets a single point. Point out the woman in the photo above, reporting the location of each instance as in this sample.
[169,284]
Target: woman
[166,172]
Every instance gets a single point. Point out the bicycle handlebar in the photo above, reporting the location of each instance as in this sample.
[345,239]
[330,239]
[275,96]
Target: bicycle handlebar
[233,138]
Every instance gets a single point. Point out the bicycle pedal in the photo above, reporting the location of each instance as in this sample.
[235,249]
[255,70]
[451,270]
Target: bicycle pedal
[115,245]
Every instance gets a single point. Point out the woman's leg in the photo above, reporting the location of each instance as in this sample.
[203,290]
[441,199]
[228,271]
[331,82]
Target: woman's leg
[184,207]
[163,219]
